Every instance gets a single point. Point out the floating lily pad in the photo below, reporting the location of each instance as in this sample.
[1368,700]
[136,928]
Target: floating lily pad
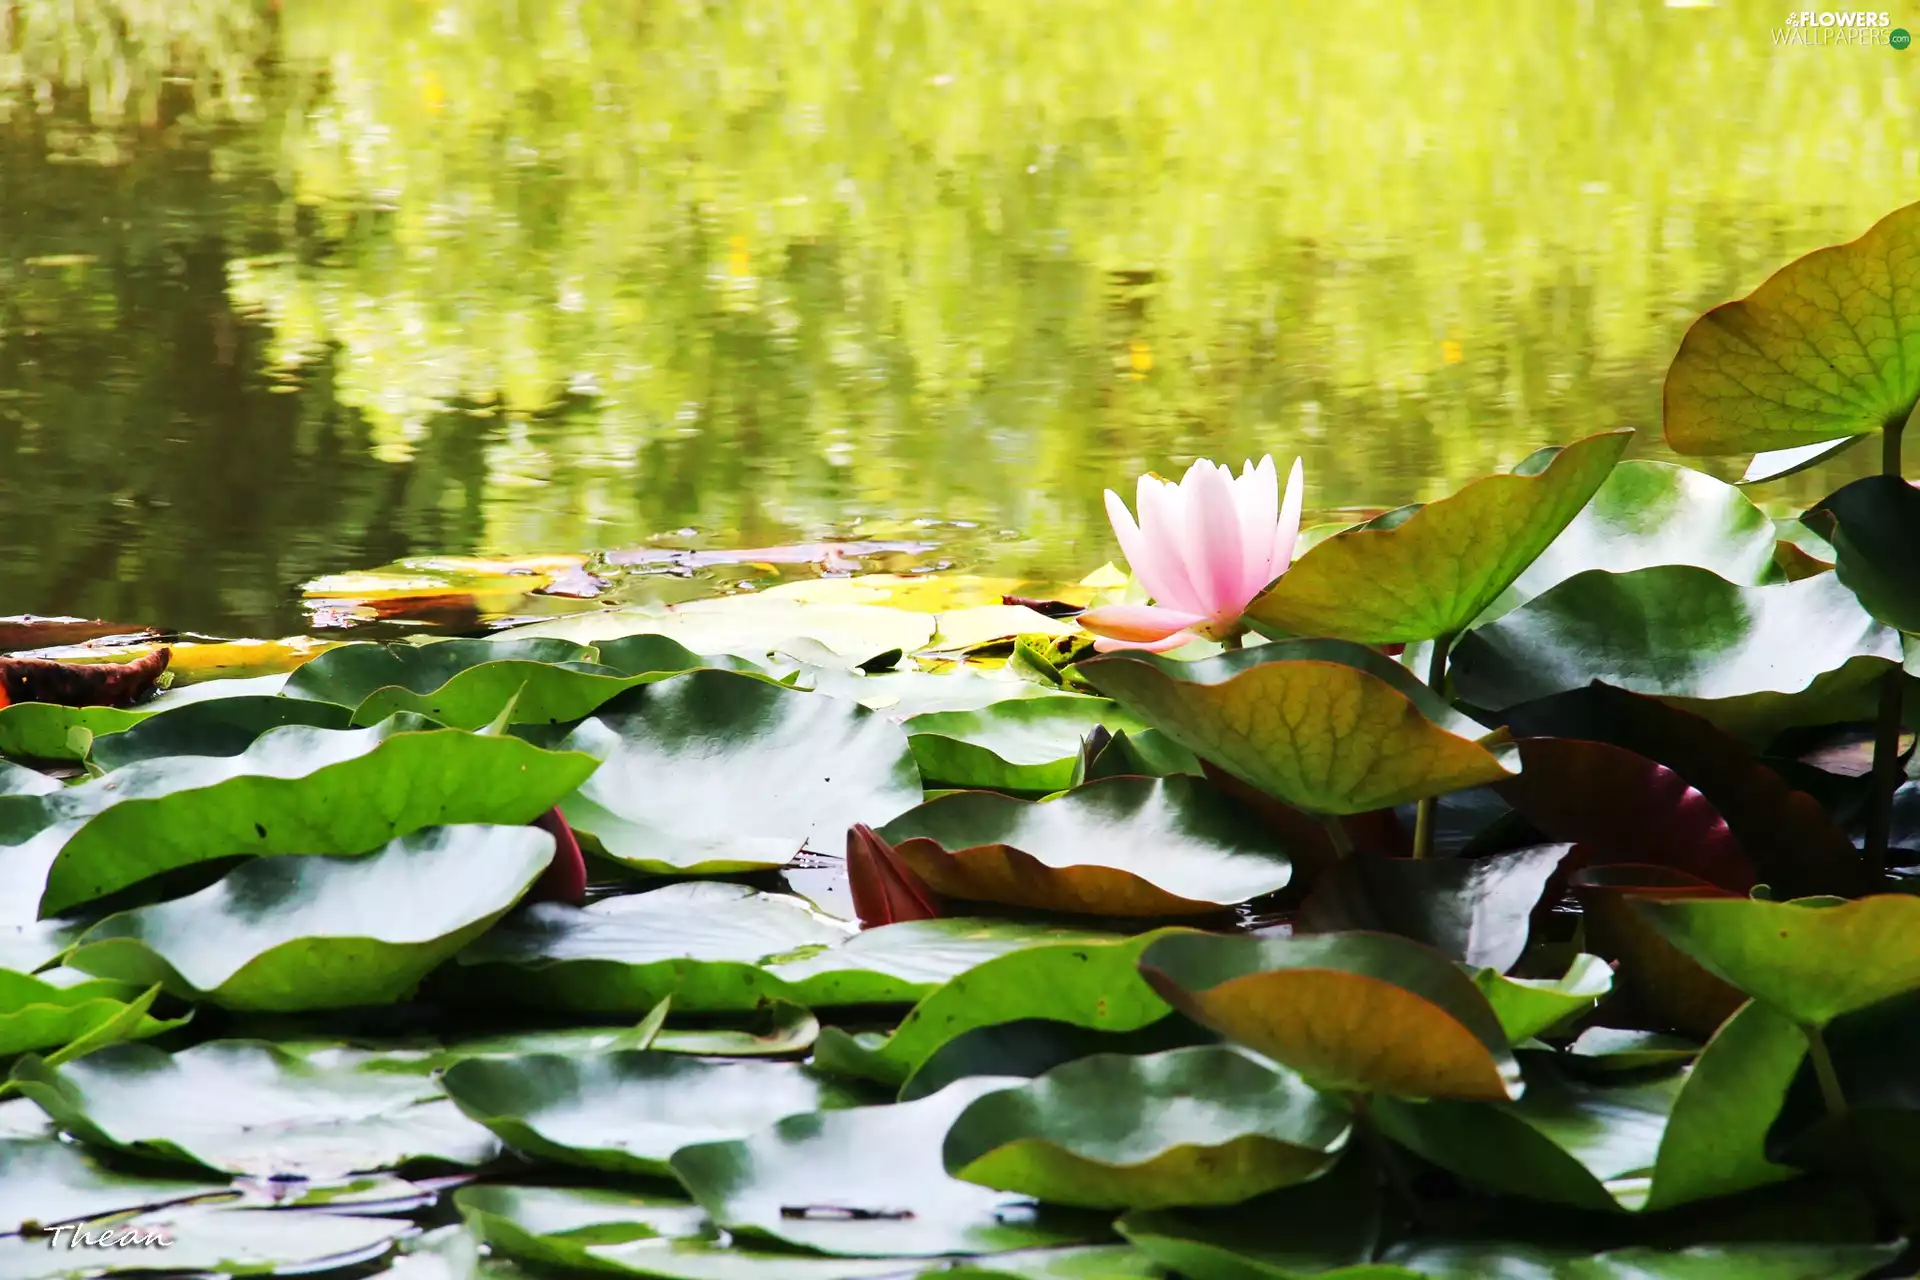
[1629,1145]
[44,731]
[1432,574]
[1125,846]
[1323,1227]
[628,1111]
[724,948]
[319,932]
[1829,346]
[18,780]
[1325,725]
[1752,659]
[1030,744]
[212,727]
[1621,1049]
[1475,910]
[46,1011]
[866,1182]
[294,791]
[1673,989]
[1091,984]
[1204,1125]
[751,626]
[1811,961]
[1748,1262]
[213,1240]
[1365,1011]
[349,674]
[46,1181]
[645,1235]
[1656,513]
[713,771]
[246,1107]
[777,1029]
[561,1226]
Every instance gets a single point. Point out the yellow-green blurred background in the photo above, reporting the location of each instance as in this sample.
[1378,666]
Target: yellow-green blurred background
[294,286]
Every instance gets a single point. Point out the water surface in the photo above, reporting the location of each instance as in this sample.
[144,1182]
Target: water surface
[296,287]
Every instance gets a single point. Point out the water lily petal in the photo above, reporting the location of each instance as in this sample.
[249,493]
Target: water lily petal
[1174,641]
[1214,563]
[1288,532]
[1257,493]
[1162,536]
[1137,623]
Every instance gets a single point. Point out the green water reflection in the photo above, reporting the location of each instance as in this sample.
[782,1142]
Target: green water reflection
[290,287]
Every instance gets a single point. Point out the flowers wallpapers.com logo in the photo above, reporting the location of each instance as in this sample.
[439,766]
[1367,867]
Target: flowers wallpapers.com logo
[1864,27]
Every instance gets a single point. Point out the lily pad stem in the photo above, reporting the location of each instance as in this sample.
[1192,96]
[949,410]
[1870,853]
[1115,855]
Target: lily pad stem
[1337,836]
[1886,738]
[1230,641]
[1387,1160]
[1423,814]
[1823,1071]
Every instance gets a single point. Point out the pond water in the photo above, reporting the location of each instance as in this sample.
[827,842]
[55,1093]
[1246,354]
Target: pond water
[299,286]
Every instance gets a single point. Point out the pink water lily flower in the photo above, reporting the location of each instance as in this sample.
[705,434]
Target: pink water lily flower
[1203,549]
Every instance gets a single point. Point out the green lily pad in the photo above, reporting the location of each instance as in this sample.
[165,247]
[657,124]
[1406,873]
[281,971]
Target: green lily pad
[45,1181]
[1125,846]
[623,1233]
[1621,1049]
[713,772]
[1811,962]
[1655,513]
[1434,573]
[46,1011]
[1031,1047]
[213,727]
[561,1226]
[1475,910]
[18,780]
[1752,659]
[206,1239]
[294,791]
[1325,725]
[1631,1145]
[751,626]
[1528,1007]
[866,1182]
[1028,744]
[349,674]
[629,1111]
[724,948]
[1874,525]
[1203,1125]
[1091,984]
[43,731]
[317,932]
[776,1029]
[1330,1226]
[246,1107]
[1829,346]
[1748,1262]
[1363,1011]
